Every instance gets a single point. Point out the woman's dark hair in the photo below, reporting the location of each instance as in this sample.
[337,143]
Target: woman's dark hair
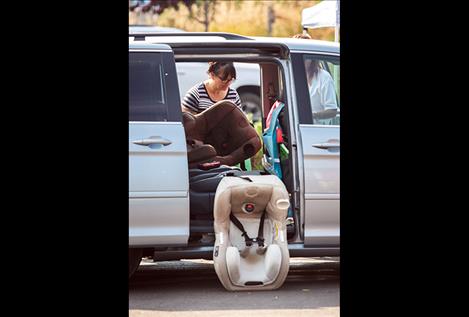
[313,67]
[223,70]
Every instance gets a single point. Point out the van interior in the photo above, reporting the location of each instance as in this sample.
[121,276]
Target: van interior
[274,155]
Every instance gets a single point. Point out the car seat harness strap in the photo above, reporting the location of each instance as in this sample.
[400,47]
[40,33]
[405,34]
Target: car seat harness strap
[260,234]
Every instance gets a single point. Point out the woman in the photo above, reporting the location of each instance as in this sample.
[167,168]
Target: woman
[217,87]
[321,91]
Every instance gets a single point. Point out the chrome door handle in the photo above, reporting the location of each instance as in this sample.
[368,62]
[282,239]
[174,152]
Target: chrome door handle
[327,145]
[152,140]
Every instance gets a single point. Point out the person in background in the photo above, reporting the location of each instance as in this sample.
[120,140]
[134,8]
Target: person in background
[321,88]
[305,36]
[217,87]
[321,92]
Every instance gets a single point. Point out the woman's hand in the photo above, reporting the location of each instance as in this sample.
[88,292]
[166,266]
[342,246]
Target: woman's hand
[325,114]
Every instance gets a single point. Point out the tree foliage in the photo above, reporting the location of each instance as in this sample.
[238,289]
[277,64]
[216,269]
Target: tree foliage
[158,6]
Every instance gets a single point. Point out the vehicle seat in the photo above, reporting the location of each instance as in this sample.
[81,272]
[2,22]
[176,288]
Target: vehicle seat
[202,188]
[223,168]
[220,133]
[259,203]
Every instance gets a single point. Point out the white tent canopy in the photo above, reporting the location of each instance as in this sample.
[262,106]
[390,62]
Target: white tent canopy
[324,14]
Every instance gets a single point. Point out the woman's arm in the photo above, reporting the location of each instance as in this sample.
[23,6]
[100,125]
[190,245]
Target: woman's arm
[325,114]
[190,102]
[185,109]
[328,99]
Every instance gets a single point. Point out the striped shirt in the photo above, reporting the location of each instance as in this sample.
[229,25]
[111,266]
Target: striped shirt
[197,98]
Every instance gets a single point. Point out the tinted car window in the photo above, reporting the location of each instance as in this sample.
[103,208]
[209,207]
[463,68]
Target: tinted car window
[147,89]
[323,87]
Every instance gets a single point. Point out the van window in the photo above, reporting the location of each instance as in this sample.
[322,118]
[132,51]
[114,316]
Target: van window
[147,91]
[323,79]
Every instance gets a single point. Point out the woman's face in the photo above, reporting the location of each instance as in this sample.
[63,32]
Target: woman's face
[220,83]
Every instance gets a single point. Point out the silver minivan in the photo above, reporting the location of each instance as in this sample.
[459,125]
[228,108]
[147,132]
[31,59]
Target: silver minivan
[161,222]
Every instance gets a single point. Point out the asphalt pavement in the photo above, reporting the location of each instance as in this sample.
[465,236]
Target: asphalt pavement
[191,288]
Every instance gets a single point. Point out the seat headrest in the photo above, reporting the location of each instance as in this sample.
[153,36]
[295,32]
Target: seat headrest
[266,192]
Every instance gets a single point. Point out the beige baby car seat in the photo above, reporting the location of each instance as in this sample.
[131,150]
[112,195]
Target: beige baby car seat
[251,251]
